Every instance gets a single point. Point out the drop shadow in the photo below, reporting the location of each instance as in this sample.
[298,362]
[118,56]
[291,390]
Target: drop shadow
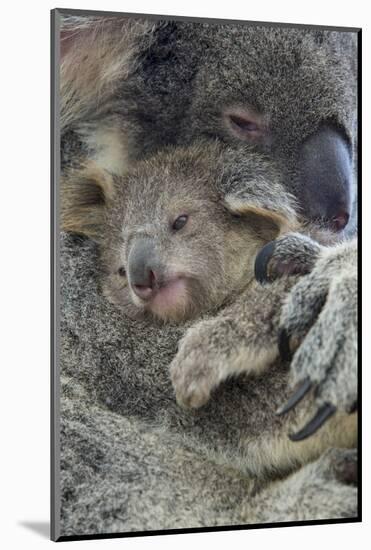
[42,528]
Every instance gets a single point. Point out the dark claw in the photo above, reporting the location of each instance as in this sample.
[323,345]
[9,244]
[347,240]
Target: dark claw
[313,425]
[298,396]
[261,262]
[284,345]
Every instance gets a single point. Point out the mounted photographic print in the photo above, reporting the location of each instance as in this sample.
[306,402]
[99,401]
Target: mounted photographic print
[204,254]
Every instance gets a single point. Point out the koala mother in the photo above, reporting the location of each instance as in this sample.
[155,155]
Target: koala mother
[290,93]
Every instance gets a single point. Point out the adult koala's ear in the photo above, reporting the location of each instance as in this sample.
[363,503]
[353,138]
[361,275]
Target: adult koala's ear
[85,194]
[270,210]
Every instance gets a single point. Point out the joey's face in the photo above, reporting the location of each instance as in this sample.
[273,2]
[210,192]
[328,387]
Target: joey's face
[172,248]
[179,234]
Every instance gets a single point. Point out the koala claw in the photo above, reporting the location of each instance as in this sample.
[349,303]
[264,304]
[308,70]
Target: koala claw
[262,261]
[284,345]
[322,414]
[318,326]
[296,397]
[315,423]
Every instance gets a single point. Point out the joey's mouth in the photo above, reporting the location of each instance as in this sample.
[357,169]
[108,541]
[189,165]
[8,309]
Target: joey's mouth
[169,299]
[171,292]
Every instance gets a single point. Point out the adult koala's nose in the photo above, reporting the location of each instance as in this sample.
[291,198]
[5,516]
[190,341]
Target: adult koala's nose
[144,269]
[325,174]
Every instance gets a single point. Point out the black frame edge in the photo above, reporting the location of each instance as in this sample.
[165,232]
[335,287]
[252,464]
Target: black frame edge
[225,528]
[359,266]
[54,277]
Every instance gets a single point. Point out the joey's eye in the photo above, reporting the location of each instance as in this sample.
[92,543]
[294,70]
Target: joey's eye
[180,222]
[122,272]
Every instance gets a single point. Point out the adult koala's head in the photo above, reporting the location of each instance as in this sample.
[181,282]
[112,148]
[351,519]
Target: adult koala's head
[288,92]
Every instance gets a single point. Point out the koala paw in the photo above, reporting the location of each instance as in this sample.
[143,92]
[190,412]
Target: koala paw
[191,381]
[294,254]
[192,373]
[318,333]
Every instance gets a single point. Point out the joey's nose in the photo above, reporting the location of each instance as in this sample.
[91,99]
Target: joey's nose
[143,268]
[146,288]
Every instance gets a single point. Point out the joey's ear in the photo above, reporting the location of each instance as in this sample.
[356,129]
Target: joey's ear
[85,194]
[269,218]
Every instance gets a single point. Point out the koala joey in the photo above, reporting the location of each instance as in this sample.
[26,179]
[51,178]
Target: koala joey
[175,240]
[178,238]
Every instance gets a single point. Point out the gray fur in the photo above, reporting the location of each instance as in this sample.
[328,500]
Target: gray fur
[334,370]
[317,482]
[233,428]
[172,94]
[117,388]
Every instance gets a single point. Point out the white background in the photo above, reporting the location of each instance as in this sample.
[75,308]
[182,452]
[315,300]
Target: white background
[24,270]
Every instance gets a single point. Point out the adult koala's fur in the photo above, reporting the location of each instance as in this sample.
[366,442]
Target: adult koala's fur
[146,85]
